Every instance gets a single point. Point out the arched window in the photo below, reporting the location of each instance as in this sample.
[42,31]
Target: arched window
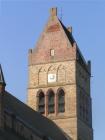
[41,103]
[61,101]
[51,105]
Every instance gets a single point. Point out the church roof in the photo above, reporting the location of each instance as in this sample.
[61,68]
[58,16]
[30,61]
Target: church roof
[8,135]
[68,33]
[35,121]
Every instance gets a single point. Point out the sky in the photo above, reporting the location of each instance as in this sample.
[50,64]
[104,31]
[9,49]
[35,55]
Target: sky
[21,23]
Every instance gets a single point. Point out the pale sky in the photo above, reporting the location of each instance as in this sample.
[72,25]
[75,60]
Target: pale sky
[21,23]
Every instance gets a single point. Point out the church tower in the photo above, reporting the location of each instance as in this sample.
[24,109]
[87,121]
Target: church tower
[59,80]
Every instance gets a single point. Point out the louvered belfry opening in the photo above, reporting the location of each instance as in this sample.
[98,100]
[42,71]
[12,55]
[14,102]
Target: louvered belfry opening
[41,105]
[51,104]
[61,101]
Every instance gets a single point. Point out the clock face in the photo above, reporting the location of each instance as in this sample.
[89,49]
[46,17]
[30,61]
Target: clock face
[51,78]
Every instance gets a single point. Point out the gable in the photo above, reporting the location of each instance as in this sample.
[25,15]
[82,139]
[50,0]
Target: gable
[54,37]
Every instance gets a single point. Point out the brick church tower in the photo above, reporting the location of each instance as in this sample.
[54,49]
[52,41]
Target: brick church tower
[59,80]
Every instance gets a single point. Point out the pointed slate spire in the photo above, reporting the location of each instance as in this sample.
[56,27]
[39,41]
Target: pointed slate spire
[2,80]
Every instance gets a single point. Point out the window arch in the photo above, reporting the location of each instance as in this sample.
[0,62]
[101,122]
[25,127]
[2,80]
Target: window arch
[61,74]
[61,101]
[41,102]
[52,74]
[51,104]
[42,76]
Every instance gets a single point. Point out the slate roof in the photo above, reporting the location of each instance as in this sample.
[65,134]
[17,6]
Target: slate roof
[78,52]
[39,124]
[8,135]
[69,35]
